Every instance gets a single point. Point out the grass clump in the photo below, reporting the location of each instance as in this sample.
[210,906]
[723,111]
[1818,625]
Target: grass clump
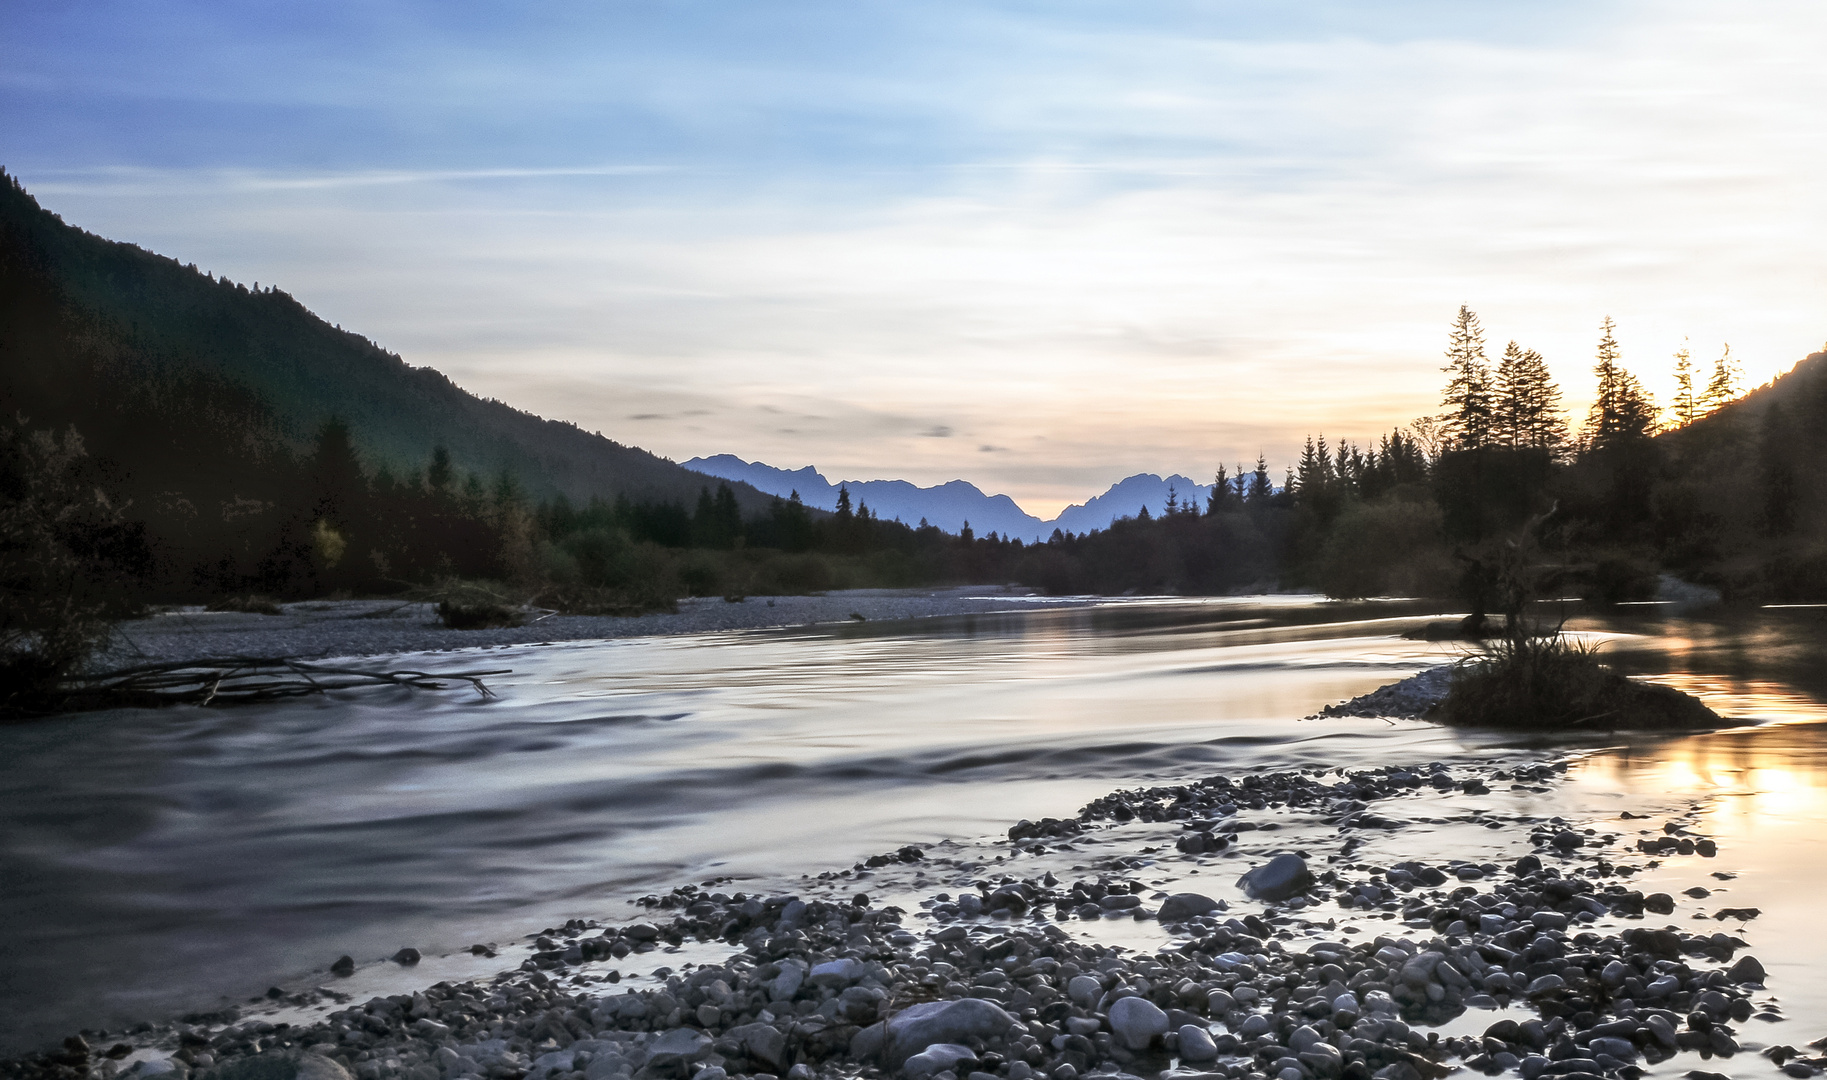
[577,599]
[247,605]
[474,605]
[1549,682]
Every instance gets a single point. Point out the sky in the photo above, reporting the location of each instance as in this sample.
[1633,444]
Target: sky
[1037,246]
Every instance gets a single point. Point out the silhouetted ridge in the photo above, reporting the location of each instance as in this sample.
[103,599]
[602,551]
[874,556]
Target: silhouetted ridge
[93,318]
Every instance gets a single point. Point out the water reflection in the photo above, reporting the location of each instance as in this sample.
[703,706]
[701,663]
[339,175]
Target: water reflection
[156,859]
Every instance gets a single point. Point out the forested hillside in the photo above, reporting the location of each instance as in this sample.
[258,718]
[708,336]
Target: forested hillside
[172,374]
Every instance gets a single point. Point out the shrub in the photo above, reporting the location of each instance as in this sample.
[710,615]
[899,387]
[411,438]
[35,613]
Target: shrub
[1547,683]
[248,605]
[474,605]
[1618,577]
[1385,549]
[68,564]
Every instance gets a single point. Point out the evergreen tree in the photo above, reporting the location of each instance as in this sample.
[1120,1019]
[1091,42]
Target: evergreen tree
[337,486]
[1261,490]
[728,516]
[439,476]
[1527,402]
[1510,400]
[1221,493]
[1468,390]
[1309,474]
[1622,411]
[843,501]
[1723,387]
[1173,501]
[1350,465]
[1686,407]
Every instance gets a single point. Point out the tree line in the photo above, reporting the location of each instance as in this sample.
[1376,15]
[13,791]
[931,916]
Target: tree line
[1495,497]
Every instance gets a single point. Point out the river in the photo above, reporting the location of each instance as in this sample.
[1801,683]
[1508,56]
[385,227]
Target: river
[162,861]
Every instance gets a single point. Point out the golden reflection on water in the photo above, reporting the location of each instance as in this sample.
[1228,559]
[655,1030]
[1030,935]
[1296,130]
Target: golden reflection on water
[1761,792]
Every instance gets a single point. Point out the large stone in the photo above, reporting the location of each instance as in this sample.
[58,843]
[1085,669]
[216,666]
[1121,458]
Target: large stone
[1186,905]
[915,1028]
[937,1058]
[786,985]
[1196,1044]
[1747,970]
[1280,878]
[672,1054]
[838,974]
[1137,1022]
[762,1044]
[860,1004]
[280,1066]
[1085,989]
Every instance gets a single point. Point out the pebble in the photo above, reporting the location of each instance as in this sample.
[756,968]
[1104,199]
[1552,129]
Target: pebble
[1196,1044]
[1137,1022]
[817,989]
[1280,878]
[1186,905]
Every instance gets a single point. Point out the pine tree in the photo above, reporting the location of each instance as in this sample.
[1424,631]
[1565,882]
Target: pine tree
[1528,403]
[1723,387]
[1220,498]
[1686,407]
[1508,408]
[1468,391]
[1261,490]
[337,484]
[438,476]
[1309,477]
[1621,410]
[1173,501]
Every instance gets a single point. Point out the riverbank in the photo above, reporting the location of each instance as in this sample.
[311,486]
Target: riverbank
[365,824]
[1282,925]
[320,629]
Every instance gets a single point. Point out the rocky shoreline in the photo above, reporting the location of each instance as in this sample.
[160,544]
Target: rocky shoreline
[1412,698]
[1064,954]
[318,629]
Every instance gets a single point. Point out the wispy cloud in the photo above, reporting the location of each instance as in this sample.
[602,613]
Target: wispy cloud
[1100,241]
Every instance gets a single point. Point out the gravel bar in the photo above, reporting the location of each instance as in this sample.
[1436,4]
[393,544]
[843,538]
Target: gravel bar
[340,628]
[1050,954]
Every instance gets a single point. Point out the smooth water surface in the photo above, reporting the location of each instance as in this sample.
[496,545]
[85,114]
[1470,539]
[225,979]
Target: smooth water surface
[154,861]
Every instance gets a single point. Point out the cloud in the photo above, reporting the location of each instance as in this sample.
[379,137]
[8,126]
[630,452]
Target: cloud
[1101,243]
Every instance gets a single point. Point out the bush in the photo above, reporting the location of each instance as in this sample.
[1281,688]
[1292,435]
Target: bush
[473,605]
[1548,683]
[1618,577]
[247,605]
[68,564]
[1385,549]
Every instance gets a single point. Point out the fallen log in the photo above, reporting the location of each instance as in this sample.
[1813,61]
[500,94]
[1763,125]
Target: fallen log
[234,680]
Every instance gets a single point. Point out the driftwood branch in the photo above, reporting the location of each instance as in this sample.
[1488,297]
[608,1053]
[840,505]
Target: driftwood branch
[240,680]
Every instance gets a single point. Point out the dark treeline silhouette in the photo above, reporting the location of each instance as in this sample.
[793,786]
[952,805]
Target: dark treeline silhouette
[169,436]
[181,377]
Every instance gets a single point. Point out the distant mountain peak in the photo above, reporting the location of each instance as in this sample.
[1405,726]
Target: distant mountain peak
[951,504]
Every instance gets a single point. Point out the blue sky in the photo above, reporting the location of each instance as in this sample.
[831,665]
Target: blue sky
[1038,246]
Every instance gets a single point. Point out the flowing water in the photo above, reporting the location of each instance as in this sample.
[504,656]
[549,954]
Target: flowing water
[156,862]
